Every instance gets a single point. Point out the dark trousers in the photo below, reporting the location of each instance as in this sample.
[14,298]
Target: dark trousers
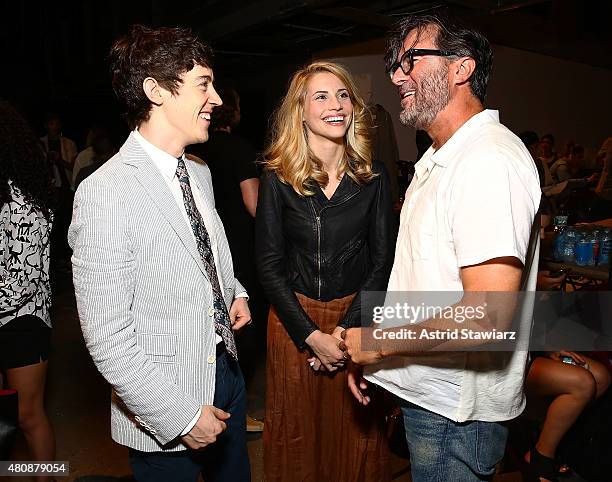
[226,460]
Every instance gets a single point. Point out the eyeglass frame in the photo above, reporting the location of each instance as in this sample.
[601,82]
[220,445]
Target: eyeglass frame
[411,53]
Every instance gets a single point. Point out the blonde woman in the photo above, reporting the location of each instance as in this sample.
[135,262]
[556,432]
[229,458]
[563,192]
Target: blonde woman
[323,236]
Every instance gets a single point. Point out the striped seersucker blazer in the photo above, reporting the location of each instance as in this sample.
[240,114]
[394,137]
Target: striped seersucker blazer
[143,296]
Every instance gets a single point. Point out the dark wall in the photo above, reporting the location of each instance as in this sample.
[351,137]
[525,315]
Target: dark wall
[54,60]
[536,92]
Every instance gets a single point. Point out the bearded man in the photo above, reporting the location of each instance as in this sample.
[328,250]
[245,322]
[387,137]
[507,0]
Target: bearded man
[465,227]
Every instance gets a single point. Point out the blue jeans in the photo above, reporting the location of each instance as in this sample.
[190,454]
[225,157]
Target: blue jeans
[442,450]
[226,460]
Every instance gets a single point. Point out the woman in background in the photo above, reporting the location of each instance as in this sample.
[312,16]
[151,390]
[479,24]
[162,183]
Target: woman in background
[323,235]
[25,293]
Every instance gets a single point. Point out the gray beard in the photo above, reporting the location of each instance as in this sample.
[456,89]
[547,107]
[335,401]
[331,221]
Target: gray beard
[432,95]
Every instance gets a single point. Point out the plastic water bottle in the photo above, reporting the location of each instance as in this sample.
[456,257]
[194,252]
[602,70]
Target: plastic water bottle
[559,228]
[605,245]
[558,243]
[566,252]
[560,220]
[593,239]
[583,250]
[597,234]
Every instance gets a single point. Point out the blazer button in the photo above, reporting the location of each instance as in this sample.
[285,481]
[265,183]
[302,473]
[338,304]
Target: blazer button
[211,311]
[211,359]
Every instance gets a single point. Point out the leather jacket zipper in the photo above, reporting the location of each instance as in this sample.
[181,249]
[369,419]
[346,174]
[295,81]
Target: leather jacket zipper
[318,217]
[318,220]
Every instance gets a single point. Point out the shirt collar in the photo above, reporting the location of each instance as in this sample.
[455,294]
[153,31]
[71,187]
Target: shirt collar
[444,155]
[165,162]
[424,164]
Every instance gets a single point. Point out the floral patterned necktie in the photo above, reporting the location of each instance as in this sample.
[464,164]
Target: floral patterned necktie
[222,320]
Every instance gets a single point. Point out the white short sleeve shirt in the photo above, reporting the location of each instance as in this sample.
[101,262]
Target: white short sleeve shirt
[472,200]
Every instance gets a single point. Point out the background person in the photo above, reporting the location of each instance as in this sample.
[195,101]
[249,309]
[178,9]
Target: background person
[604,161]
[61,153]
[564,389]
[25,292]
[85,158]
[547,149]
[231,160]
[568,167]
[568,388]
[102,149]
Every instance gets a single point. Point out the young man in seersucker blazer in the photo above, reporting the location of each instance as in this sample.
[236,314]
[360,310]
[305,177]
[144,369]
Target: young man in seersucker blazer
[144,291]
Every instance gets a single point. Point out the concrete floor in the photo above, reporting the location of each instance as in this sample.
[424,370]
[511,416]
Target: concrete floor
[78,404]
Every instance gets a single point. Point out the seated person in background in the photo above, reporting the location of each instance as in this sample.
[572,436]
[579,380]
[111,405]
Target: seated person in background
[568,380]
[604,159]
[532,143]
[568,167]
[547,149]
[602,201]
[567,150]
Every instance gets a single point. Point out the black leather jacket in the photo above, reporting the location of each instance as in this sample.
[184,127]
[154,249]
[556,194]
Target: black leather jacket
[324,249]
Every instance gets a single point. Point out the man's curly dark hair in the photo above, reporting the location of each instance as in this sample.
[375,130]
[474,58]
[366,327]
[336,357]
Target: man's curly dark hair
[163,53]
[452,36]
[23,161]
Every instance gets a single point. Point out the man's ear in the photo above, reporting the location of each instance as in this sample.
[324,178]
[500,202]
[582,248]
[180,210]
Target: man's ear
[463,69]
[153,90]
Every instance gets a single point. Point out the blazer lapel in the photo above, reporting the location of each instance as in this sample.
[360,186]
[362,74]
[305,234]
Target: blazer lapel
[195,174]
[153,183]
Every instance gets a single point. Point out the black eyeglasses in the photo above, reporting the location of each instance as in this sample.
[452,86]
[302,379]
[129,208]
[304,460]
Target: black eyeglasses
[406,63]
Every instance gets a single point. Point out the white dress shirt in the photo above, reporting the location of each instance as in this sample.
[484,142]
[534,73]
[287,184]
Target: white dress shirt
[472,200]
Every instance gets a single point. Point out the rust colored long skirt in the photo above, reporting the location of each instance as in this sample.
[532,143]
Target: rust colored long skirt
[315,430]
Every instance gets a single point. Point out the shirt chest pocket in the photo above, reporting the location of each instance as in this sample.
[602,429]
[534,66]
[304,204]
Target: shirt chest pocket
[421,244]
[421,233]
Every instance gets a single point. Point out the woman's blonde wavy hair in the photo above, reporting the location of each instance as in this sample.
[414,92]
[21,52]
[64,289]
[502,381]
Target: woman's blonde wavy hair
[289,155]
